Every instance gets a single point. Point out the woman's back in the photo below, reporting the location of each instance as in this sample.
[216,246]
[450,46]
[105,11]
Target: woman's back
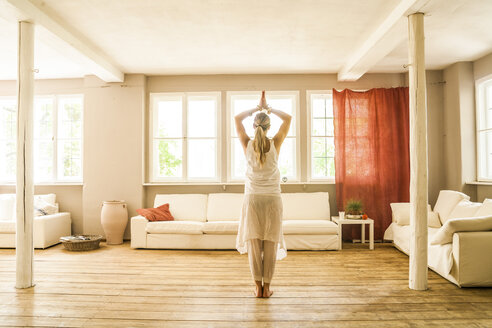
[262,179]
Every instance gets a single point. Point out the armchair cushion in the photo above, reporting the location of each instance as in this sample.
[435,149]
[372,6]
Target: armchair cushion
[7,226]
[446,202]
[485,209]
[48,198]
[401,215]
[465,209]
[445,234]
[433,220]
[42,207]
[7,207]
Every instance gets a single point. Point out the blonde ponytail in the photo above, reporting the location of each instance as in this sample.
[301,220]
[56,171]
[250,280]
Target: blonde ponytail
[261,125]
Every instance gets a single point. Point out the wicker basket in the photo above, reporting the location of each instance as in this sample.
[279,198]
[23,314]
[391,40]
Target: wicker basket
[81,245]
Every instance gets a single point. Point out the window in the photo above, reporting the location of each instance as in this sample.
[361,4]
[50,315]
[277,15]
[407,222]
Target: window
[57,138]
[321,136]
[8,137]
[484,130]
[68,138]
[184,137]
[286,101]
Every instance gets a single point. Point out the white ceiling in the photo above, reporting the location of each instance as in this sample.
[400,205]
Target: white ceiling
[157,37]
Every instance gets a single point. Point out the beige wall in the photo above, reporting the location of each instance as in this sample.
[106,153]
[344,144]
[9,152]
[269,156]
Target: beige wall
[483,192]
[112,146]
[435,128]
[482,67]
[459,128]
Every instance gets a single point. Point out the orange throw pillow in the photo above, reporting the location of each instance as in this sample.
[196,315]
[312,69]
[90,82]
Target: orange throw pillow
[160,213]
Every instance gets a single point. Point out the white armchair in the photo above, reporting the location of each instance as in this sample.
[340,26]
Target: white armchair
[47,229]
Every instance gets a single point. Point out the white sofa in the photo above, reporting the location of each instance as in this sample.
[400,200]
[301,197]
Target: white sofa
[47,229]
[210,221]
[459,237]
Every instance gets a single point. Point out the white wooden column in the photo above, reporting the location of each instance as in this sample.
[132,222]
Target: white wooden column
[418,153]
[25,187]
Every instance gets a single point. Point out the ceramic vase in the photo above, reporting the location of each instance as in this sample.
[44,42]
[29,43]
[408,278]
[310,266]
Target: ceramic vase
[114,218]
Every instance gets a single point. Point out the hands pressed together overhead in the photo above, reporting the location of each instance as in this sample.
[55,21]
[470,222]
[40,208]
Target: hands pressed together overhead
[263,104]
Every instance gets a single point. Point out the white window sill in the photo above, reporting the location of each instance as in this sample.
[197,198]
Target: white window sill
[480,183]
[230,183]
[57,184]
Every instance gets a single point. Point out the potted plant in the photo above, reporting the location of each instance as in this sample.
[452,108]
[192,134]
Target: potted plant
[354,209]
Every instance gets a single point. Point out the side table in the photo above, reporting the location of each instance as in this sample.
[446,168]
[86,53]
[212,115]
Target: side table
[363,223]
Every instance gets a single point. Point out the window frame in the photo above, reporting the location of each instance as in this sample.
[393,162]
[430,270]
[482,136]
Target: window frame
[54,132]
[231,125]
[154,98]
[14,101]
[309,95]
[481,106]
[56,140]
[55,178]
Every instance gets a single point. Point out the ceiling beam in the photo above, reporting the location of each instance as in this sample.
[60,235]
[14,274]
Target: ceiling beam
[389,34]
[86,52]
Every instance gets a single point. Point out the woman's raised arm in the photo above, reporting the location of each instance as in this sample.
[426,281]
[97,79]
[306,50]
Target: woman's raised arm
[241,131]
[284,128]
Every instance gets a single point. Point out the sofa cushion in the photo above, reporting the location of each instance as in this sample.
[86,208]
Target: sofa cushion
[160,213]
[464,209]
[402,235]
[485,209]
[401,213]
[446,202]
[175,227]
[46,203]
[433,220]
[7,207]
[221,227]
[306,206]
[42,207]
[185,207]
[7,226]
[309,227]
[445,233]
[48,198]
[224,207]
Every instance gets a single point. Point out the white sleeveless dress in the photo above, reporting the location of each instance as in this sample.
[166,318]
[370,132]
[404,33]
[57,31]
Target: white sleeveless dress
[261,216]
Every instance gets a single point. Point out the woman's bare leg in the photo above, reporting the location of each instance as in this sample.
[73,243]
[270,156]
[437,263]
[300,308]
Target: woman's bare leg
[266,290]
[256,264]
[259,289]
[269,259]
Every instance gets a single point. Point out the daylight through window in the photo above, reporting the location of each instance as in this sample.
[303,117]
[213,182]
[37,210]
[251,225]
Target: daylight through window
[322,136]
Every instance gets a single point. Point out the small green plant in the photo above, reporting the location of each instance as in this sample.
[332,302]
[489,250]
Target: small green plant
[354,207]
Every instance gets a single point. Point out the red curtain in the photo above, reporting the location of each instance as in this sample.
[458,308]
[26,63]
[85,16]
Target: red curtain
[372,157]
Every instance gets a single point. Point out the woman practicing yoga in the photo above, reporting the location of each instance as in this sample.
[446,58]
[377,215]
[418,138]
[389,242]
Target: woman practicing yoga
[260,229]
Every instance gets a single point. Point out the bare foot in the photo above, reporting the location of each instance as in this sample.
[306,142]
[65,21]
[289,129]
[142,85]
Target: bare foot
[267,293]
[259,290]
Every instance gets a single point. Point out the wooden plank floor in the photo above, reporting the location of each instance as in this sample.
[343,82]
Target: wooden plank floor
[117,286]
